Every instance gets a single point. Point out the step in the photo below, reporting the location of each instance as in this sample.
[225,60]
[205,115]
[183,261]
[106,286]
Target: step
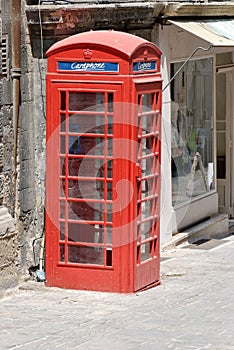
[216,226]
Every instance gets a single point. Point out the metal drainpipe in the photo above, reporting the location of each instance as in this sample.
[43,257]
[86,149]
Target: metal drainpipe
[16,73]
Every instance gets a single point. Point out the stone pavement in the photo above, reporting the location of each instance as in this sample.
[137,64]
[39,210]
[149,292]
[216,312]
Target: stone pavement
[191,309]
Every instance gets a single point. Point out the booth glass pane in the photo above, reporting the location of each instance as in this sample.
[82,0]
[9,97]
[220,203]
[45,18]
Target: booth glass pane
[90,211]
[110,147]
[147,100]
[147,166]
[109,257]
[109,212]
[62,231]
[63,100]
[62,252]
[146,188]
[145,230]
[147,124]
[109,235]
[62,144]
[92,101]
[103,234]
[62,209]
[110,125]
[62,122]
[86,145]
[87,123]
[81,233]
[109,169]
[146,146]
[146,209]
[74,145]
[91,189]
[86,167]
[145,251]
[85,255]
[109,190]
[110,97]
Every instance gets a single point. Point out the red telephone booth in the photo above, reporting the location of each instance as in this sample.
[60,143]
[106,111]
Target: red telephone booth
[103,162]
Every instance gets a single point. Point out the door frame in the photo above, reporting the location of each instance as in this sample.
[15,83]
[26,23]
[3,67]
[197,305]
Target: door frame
[225,186]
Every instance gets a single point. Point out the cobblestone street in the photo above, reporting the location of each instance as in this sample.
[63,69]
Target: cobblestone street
[191,309]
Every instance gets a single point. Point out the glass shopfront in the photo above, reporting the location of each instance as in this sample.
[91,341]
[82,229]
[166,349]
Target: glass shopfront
[192,130]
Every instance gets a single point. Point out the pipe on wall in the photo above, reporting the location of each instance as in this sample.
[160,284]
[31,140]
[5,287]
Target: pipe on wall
[15,74]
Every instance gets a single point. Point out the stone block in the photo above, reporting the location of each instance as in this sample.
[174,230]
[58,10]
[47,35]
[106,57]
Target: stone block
[7,225]
[27,200]
[27,177]
[24,59]
[26,83]
[26,121]
[8,260]
[6,96]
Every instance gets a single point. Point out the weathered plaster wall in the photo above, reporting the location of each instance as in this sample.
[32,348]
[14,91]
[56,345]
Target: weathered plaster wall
[8,235]
[31,153]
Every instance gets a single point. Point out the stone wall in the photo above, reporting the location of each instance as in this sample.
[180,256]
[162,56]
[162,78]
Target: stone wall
[8,236]
[21,181]
[8,251]
[31,154]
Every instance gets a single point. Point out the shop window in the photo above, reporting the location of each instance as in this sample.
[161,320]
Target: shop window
[192,130]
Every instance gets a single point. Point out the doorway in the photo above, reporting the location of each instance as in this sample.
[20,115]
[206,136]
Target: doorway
[224,137]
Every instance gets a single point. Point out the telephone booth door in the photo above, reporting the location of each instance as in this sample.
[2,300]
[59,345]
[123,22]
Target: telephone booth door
[147,268]
[80,199]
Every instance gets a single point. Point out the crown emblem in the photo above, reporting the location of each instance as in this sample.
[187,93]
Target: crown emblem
[88,54]
[145,54]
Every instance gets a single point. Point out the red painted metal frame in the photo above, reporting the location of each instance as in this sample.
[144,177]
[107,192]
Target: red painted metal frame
[130,261]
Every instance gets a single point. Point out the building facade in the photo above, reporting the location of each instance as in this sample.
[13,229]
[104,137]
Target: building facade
[197,119]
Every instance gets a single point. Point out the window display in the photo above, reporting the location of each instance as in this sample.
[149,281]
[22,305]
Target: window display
[192,130]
